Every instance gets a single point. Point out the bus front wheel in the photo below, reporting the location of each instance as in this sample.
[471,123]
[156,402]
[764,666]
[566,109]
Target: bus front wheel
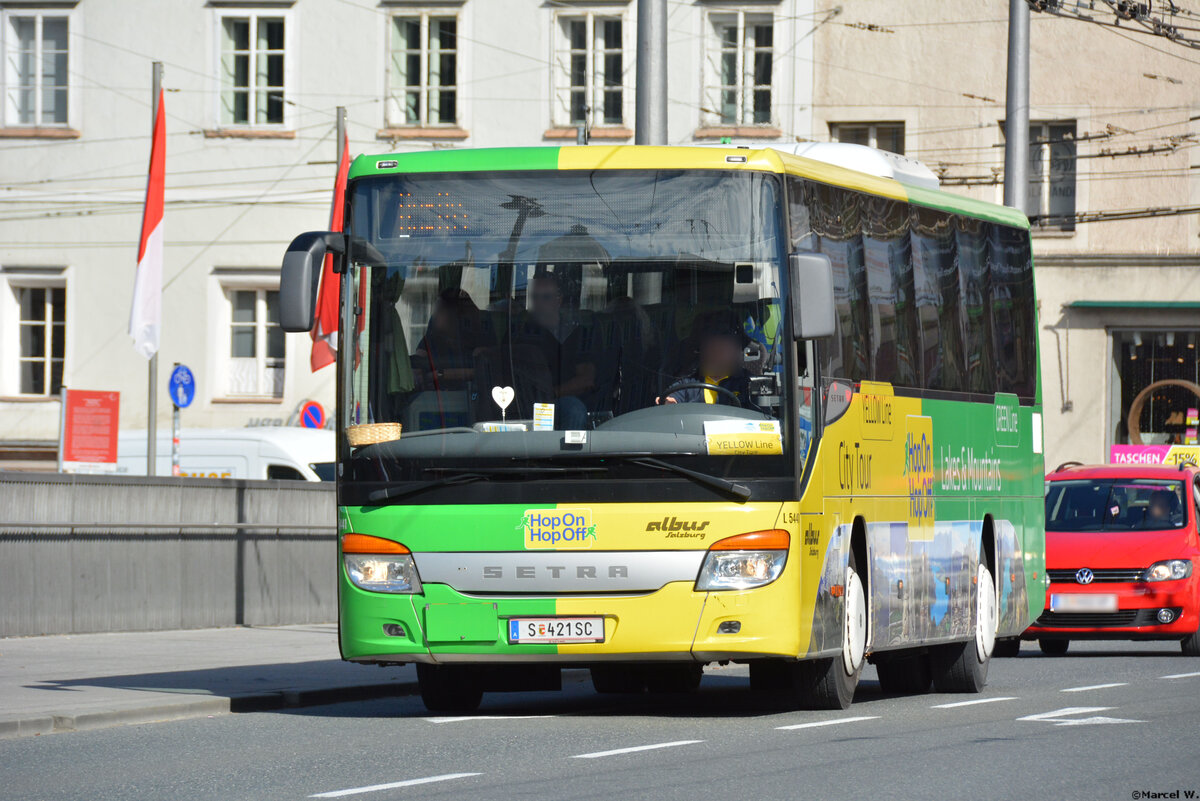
[830,683]
[449,688]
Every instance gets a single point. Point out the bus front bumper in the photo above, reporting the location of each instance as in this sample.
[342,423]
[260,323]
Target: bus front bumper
[674,623]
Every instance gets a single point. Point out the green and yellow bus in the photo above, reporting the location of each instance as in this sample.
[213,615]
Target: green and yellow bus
[643,409]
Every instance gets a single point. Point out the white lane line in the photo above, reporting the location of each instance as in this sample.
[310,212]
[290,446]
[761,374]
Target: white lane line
[975,702]
[1059,717]
[487,717]
[1094,687]
[1181,676]
[819,723]
[635,748]
[392,785]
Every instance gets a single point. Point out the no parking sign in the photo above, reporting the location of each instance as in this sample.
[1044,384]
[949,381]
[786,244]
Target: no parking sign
[312,415]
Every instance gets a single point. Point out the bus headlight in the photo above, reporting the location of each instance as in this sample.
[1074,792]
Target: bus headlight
[744,561]
[379,565]
[1170,570]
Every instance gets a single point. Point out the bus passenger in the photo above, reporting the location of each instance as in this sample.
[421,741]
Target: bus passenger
[565,344]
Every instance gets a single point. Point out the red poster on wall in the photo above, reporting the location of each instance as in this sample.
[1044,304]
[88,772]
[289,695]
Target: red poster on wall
[89,430]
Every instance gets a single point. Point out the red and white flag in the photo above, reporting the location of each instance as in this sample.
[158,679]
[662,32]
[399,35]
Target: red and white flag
[324,333]
[145,317]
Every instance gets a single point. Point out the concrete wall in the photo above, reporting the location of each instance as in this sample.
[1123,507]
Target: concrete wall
[94,568]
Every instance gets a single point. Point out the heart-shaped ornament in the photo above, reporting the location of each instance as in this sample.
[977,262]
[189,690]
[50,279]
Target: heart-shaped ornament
[503,396]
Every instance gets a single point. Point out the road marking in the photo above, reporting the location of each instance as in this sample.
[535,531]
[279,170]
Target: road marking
[1181,676]
[392,785]
[1095,687]
[1059,717]
[487,717]
[974,702]
[617,751]
[818,723]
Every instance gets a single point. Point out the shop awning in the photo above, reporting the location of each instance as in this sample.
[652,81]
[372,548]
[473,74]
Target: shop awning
[1135,304]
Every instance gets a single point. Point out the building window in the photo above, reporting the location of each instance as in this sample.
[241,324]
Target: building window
[35,69]
[1051,200]
[740,68]
[256,343]
[590,70]
[252,70]
[887,136]
[42,338]
[1155,373]
[423,79]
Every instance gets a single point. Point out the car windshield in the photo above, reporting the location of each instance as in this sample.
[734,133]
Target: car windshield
[568,315]
[1115,505]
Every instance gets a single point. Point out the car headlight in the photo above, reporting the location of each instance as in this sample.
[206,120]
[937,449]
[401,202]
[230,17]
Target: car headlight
[379,565]
[1170,570]
[744,561]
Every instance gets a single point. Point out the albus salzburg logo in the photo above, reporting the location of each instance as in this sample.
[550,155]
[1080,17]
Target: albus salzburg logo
[570,529]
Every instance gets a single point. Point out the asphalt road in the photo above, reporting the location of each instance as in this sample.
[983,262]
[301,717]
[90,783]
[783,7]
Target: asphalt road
[1107,721]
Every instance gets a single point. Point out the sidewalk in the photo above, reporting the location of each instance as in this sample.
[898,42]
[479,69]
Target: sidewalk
[89,681]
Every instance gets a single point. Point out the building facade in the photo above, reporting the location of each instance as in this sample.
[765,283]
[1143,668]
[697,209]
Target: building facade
[1113,129]
[251,91]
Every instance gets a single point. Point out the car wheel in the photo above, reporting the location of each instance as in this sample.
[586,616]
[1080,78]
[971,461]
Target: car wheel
[963,667]
[1008,648]
[1054,647]
[449,688]
[1191,644]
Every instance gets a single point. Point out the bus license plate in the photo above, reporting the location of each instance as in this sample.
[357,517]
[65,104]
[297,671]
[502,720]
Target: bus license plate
[556,629]
[1083,602]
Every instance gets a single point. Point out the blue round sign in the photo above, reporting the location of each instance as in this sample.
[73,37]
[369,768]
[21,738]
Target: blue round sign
[182,387]
[312,415]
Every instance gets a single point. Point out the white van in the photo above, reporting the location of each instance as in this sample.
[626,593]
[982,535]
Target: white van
[289,452]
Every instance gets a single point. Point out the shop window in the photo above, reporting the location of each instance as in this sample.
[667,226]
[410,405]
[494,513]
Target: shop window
[1156,387]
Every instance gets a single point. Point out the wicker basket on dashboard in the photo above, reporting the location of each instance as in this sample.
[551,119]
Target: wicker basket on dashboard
[372,433]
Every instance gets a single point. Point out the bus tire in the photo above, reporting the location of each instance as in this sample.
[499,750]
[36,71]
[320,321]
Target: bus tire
[962,667]
[904,675]
[1054,647]
[674,679]
[1191,644]
[1007,648]
[830,683]
[448,688]
[618,679]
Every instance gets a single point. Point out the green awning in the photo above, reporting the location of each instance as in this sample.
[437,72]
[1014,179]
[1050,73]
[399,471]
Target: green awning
[1135,304]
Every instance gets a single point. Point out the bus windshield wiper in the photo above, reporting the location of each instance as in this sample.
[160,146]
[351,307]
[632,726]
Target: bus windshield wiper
[740,492]
[389,493]
[454,475]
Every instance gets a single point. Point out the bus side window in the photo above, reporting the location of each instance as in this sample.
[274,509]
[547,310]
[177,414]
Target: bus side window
[282,471]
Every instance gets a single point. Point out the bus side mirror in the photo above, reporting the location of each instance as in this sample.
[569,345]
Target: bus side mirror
[812,296]
[300,276]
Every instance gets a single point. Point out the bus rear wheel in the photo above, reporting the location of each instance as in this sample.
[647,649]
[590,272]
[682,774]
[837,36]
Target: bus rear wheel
[963,667]
[674,679]
[617,680]
[449,688]
[904,675]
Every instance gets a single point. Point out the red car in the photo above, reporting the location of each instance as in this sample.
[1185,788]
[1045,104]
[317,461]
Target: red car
[1122,552]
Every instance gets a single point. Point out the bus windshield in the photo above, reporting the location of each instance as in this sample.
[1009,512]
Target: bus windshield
[519,319]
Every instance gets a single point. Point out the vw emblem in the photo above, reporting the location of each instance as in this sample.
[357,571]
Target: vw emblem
[1084,576]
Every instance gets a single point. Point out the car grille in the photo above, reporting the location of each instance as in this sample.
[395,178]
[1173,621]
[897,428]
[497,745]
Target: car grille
[1124,617]
[1100,575]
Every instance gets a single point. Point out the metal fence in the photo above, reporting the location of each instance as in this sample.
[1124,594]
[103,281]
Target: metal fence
[88,553]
